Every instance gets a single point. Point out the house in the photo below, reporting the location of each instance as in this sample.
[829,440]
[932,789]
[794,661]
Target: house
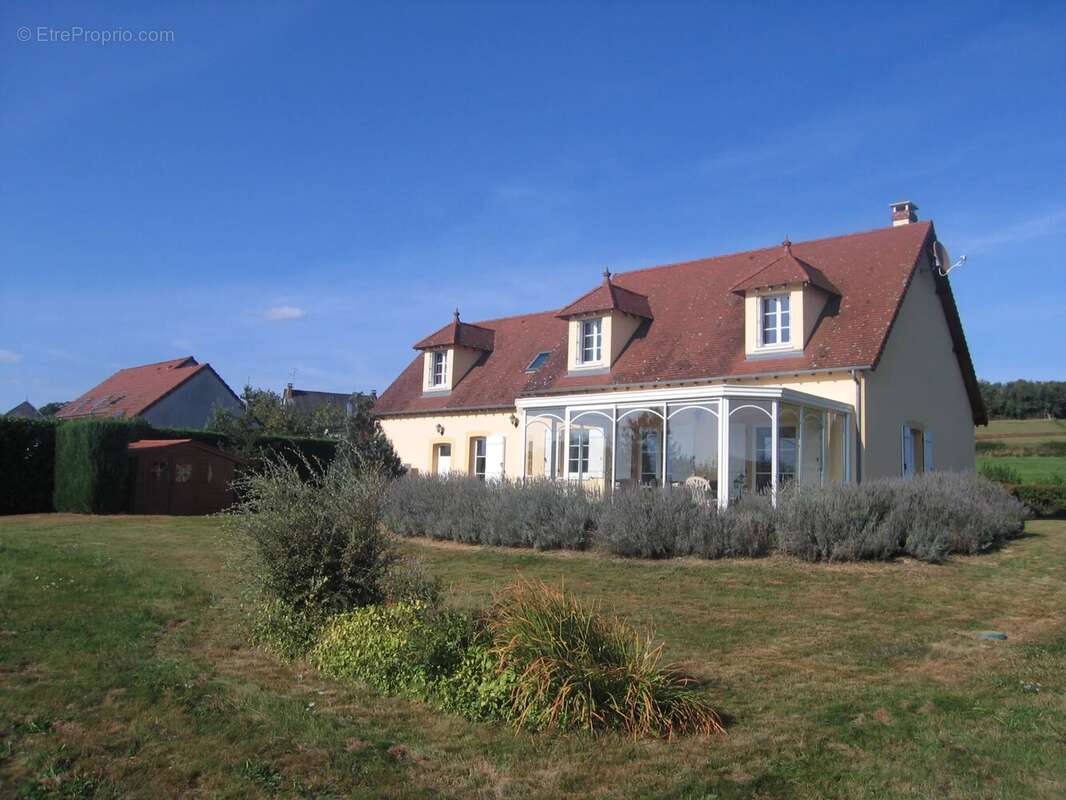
[838,359]
[180,393]
[25,410]
[307,401]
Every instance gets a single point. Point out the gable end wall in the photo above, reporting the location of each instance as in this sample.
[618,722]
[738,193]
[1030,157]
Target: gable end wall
[918,381]
[189,406]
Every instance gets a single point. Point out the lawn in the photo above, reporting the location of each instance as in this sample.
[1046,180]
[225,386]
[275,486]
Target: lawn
[1032,469]
[123,672]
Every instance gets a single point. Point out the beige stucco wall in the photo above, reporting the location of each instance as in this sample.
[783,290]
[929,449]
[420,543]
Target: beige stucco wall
[918,382]
[459,361]
[414,437]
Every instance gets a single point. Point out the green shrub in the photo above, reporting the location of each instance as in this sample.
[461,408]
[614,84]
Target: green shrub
[1043,500]
[92,464]
[27,465]
[404,648]
[575,668]
[1003,473]
[287,633]
[479,688]
[315,545]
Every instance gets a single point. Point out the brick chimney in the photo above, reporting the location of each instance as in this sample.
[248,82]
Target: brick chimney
[904,213]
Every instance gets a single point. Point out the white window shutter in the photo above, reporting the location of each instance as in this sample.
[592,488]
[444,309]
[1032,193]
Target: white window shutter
[596,448]
[929,452]
[907,442]
[494,455]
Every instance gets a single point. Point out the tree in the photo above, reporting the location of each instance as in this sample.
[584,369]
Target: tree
[50,409]
[1024,399]
[365,443]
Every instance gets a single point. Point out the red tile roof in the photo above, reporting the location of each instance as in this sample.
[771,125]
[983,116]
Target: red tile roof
[608,296]
[132,391]
[698,330]
[786,269]
[459,333]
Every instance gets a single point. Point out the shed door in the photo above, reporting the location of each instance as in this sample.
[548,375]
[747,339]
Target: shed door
[155,483]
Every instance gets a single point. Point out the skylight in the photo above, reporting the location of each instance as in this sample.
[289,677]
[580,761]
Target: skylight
[538,362]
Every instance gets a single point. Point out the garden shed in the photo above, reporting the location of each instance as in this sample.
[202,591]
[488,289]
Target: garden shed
[180,476]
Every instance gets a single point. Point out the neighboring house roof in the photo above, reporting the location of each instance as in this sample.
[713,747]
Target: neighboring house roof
[783,270]
[608,296]
[459,333]
[307,401]
[132,391]
[698,330]
[25,410]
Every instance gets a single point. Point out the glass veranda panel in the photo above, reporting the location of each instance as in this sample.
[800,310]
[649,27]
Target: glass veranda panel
[589,457]
[639,460]
[692,446]
[788,425]
[813,446]
[750,448]
[545,443]
[836,432]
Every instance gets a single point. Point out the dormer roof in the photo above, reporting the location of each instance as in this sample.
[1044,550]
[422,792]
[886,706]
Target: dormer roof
[786,268]
[459,334]
[609,296]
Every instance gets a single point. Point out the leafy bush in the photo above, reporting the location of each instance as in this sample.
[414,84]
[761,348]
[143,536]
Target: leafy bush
[1044,501]
[404,648]
[288,633]
[315,545]
[92,464]
[575,668]
[479,688]
[27,465]
[1003,473]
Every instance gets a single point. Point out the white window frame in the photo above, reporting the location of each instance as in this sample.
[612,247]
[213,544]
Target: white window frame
[591,344]
[776,312]
[579,439]
[438,378]
[534,366]
[479,443]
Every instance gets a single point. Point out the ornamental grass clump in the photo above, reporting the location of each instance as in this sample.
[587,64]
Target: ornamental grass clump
[574,667]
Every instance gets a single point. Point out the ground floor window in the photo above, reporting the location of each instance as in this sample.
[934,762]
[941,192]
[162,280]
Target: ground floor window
[477,457]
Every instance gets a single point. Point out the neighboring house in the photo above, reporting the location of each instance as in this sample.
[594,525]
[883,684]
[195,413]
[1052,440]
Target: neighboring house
[838,359]
[25,410]
[306,401]
[171,394]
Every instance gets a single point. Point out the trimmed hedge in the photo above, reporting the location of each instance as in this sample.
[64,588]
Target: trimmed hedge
[1044,500]
[92,464]
[927,517]
[27,465]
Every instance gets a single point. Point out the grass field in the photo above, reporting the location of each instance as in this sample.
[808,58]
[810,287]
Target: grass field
[123,673]
[1023,431]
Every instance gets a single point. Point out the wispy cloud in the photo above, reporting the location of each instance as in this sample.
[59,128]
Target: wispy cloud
[1032,228]
[10,357]
[284,313]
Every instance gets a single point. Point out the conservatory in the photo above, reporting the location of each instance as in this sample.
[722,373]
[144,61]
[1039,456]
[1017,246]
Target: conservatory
[723,442]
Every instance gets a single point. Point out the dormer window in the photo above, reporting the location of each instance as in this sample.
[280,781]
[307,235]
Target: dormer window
[592,340]
[439,371]
[775,328]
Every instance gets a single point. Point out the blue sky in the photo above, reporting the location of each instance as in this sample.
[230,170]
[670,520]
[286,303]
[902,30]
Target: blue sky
[315,186]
